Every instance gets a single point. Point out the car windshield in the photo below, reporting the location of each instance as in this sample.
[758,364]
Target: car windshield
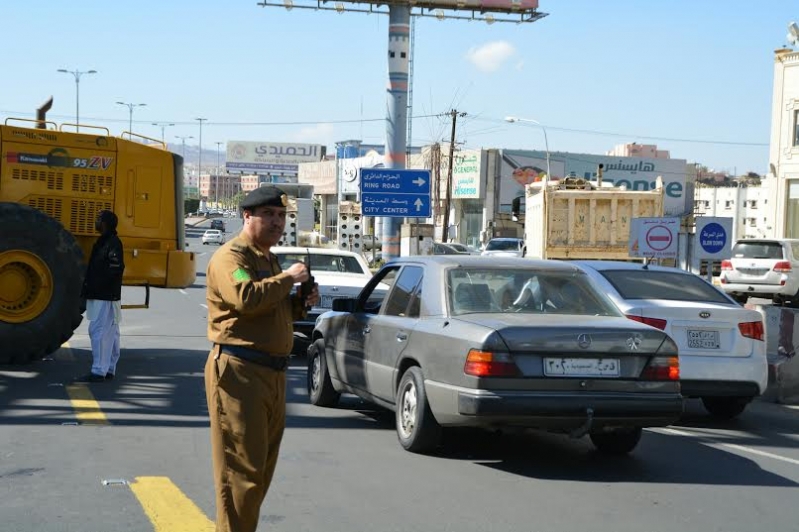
[323,263]
[503,245]
[757,250]
[672,286]
[212,232]
[526,291]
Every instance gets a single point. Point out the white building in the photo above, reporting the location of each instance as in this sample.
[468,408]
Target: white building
[784,146]
[751,207]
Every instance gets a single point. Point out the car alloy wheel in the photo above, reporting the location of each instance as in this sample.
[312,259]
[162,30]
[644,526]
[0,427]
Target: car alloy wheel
[320,388]
[408,410]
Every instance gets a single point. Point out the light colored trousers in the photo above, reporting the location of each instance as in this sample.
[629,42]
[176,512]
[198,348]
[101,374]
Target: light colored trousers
[247,407]
[104,333]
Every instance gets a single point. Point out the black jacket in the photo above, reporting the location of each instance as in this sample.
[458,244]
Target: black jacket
[104,273]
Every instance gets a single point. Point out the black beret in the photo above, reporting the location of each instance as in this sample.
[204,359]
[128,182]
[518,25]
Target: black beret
[270,196]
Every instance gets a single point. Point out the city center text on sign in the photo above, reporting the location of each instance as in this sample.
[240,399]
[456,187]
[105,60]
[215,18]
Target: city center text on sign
[395,193]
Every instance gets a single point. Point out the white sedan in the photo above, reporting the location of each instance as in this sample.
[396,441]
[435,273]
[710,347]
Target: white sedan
[722,345]
[338,273]
[213,236]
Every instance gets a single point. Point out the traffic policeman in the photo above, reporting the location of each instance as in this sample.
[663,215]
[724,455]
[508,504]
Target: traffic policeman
[250,315]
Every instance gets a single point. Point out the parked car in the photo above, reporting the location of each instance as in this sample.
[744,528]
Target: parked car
[213,236]
[504,247]
[218,224]
[442,350]
[763,268]
[440,248]
[460,248]
[722,348]
[338,273]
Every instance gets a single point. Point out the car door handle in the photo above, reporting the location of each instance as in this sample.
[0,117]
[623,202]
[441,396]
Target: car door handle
[401,336]
[366,330]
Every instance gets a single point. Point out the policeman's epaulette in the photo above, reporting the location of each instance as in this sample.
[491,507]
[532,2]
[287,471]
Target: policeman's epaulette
[240,247]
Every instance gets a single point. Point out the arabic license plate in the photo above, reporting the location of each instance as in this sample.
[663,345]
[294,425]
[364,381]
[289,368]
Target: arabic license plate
[581,367]
[703,339]
[326,302]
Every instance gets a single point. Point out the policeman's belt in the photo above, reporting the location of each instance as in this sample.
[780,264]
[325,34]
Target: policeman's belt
[277,363]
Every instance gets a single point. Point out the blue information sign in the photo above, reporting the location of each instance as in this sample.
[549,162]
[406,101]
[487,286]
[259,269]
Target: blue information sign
[395,193]
[713,238]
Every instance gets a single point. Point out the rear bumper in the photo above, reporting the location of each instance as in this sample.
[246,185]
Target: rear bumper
[708,376]
[759,290]
[568,410]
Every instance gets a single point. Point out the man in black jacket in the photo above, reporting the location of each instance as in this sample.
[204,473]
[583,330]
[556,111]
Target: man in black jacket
[103,292]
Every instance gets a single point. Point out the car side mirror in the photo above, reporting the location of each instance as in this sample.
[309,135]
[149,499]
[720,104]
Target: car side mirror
[344,304]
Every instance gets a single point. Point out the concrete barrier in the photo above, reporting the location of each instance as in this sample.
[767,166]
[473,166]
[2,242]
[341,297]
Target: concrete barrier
[782,344]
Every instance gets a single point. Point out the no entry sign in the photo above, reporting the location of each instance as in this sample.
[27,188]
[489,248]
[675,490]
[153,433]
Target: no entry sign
[654,237]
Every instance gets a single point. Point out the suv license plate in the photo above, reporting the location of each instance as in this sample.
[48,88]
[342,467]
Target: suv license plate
[703,339]
[581,367]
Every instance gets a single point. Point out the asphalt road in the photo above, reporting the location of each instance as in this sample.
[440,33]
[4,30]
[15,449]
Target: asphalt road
[342,469]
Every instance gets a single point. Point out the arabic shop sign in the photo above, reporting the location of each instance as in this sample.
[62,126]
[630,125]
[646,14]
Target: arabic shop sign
[271,156]
[466,182]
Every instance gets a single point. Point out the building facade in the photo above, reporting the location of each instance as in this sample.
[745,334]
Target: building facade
[784,144]
[750,206]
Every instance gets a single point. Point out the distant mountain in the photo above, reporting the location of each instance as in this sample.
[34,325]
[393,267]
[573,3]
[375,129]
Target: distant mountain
[192,156]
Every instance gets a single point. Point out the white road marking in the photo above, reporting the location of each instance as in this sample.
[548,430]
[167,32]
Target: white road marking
[183,292]
[707,441]
[204,306]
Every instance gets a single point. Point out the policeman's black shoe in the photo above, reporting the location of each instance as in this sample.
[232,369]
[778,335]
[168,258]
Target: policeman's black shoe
[109,376]
[91,377]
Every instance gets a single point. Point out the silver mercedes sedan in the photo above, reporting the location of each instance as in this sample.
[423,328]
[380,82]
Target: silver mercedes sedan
[491,342]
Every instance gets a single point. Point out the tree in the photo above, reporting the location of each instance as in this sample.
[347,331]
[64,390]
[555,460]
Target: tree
[191,205]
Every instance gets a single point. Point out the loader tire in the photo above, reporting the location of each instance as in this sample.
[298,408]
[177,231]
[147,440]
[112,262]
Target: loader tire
[41,275]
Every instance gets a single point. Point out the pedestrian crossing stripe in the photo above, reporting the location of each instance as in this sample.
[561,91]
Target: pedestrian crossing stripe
[168,508]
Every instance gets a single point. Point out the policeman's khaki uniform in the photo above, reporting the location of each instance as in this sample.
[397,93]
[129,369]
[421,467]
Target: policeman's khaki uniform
[250,313]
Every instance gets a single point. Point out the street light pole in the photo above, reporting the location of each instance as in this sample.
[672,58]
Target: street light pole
[218,144]
[183,140]
[513,119]
[163,126]
[200,161]
[130,107]
[77,74]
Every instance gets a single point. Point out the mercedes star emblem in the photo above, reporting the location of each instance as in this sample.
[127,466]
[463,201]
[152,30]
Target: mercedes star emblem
[584,341]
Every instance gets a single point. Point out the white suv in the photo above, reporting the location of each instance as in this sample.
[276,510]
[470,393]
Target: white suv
[766,268]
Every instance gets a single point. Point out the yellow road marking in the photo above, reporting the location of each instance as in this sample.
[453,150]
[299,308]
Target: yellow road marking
[87,409]
[168,508]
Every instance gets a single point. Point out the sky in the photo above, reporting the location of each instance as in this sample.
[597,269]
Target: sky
[693,77]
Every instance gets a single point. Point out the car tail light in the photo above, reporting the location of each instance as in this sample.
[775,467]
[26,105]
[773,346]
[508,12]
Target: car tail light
[662,369]
[782,267]
[490,364]
[726,266]
[752,329]
[654,322]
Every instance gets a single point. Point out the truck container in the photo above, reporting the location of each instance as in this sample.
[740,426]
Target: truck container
[575,219]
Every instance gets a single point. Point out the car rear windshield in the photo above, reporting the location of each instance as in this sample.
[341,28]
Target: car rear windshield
[526,291]
[503,245]
[673,286]
[323,263]
[757,250]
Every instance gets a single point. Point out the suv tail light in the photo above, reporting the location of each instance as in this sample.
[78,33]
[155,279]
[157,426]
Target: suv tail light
[726,266]
[654,322]
[489,364]
[782,267]
[752,329]
[662,369]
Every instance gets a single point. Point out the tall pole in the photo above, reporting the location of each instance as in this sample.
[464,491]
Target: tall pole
[130,107]
[513,119]
[163,126]
[183,140]
[448,199]
[399,25]
[200,160]
[77,74]
[218,144]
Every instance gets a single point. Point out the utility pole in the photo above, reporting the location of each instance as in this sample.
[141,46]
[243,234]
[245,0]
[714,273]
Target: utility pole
[224,187]
[445,229]
[200,161]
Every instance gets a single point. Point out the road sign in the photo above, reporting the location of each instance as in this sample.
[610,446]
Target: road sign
[654,237]
[712,238]
[395,193]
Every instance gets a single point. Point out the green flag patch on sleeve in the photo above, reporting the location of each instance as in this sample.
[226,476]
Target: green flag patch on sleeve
[240,275]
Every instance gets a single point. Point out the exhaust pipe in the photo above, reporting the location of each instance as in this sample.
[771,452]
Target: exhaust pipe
[41,113]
